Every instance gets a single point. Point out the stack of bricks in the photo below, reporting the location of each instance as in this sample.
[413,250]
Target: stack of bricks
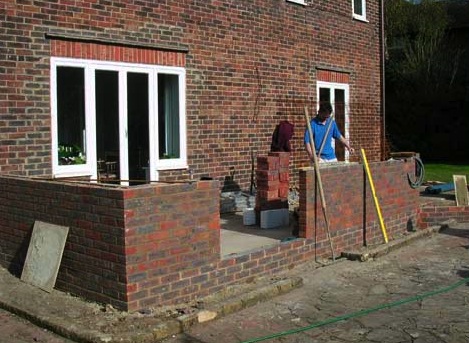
[272,179]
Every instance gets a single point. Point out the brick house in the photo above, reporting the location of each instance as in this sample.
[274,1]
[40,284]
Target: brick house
[172,91]
[177,89]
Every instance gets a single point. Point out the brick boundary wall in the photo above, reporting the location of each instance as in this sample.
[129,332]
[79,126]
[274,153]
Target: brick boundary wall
[144,246]
[353,221]
[172,231]
[430,215]
[93,263]
[134,247]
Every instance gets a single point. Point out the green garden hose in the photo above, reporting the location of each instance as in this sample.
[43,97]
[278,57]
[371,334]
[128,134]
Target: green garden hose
[360,313]
[419,174]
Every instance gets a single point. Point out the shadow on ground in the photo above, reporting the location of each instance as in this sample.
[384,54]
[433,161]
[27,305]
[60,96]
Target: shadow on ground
[234,222]
[464,273]
[184,338]
[464,233]
[440,196]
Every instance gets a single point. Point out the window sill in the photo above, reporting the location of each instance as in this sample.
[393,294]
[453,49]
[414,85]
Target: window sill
[60,175]
[299,2]
[171,165]
[360,18]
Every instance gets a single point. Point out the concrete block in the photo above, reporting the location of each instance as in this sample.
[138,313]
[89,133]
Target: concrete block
[274,218]
[249,216]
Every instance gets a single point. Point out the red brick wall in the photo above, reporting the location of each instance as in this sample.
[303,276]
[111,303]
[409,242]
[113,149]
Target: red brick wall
[94,261]
[348,200]
[86,50]
[134,247]
[430,215]
[151,245]
[130,247]
[250,64]
[170,232]
[272,181]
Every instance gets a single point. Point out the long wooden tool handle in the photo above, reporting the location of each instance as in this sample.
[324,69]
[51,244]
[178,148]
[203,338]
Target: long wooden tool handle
[318,178]
[323,143]
[375,198]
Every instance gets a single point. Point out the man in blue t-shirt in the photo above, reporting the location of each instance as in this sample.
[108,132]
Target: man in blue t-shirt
[319,125]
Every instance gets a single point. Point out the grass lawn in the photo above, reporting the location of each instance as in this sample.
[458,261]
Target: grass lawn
[444,172]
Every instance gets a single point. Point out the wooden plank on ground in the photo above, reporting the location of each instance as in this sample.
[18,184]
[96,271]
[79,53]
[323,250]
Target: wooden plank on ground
[460,186]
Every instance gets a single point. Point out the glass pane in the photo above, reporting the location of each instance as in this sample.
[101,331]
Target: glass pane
[358,7]
[138,124]
[339,102]
[107,123]
[71,115]
[168,116]
[324,95]
[339,109]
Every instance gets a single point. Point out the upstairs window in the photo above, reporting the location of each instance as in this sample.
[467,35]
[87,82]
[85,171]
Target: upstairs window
[359,9]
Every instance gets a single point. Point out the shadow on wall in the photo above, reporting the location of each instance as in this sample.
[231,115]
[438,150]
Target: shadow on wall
[17,263]
[229,184]
[410,225]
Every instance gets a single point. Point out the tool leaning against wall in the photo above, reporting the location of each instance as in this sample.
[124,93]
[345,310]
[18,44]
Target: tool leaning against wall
[318,178]
[316,158]
[375,198]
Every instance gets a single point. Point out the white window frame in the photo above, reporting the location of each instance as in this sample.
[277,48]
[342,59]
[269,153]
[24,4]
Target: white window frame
[90,66]
[86,169]
[172,163]
[345,87]
[362,16]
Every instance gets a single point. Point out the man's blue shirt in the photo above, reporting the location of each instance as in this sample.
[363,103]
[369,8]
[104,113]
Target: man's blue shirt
[319,131]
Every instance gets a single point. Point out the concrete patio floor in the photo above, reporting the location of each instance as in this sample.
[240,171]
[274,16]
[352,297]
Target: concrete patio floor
[237,238]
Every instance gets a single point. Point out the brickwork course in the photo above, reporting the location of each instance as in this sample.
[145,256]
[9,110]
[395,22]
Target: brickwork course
[249,64]
[155,245]
[339,302]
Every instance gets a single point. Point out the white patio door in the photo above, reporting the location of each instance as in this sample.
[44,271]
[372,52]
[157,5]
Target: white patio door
[338,95]
[130,116]
[123,115]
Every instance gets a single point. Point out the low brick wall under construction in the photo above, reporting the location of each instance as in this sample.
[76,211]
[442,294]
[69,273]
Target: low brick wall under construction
[134,247]
[353,221]
[431,215]
[144,246]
